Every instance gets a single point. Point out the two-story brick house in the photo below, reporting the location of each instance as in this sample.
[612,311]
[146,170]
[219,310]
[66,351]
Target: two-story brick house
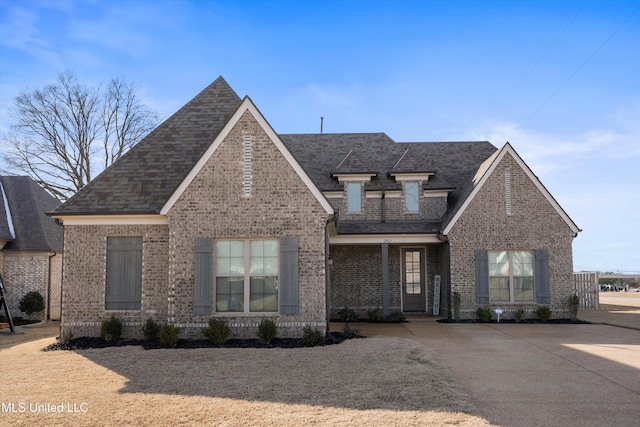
[215,214]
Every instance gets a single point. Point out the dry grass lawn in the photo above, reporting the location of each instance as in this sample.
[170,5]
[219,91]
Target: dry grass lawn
[375,382]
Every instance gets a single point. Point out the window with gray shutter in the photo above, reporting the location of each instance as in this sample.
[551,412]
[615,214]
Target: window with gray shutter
[482,276]
[543,295]
[289,275]
[124,273]
[203,276]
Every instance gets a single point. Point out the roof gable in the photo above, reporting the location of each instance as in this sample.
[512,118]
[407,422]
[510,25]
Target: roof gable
[143,179]
[486,169]
[25,214]
[247,106]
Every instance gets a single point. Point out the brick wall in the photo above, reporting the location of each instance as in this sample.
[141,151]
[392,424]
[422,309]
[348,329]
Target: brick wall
[431,208]
[533,224]
[83,292]
[25,272]
[215,205]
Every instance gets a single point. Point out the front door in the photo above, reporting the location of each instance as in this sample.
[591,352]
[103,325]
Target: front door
[413,279]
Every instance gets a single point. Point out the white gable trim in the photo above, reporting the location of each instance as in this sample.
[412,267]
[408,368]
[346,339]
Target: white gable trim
[247,105]
[480,179]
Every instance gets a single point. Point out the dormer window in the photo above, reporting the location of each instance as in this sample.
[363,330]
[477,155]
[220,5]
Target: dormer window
[412,196]
[354,197]
[354,187]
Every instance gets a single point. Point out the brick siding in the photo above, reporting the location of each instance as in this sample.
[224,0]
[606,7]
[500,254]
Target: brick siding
[533,224]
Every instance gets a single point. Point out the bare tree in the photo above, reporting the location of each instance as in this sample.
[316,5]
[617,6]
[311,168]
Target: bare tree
[66,131]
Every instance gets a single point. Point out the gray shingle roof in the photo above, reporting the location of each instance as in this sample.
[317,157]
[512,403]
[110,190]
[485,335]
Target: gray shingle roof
[28,204]
[391,227]
[144,179]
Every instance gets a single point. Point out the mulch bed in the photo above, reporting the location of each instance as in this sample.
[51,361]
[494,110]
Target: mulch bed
[84,343]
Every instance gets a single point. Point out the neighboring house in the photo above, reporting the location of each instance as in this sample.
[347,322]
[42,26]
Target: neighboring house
[31,245]
[215,214]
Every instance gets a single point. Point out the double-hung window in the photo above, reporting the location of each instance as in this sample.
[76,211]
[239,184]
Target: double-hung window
[511,276]
[246,275]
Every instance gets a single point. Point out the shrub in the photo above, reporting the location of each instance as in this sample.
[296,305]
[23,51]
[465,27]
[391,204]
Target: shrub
[544,313]
[347,315]
[396,316]
[350,332]
[218,331]
[312,337]
[484,313]
[519,315]
[111,328]
[574,305]
[32,302]
[374,315]
[169,335]
[267,331]
[151,330]
[456,306]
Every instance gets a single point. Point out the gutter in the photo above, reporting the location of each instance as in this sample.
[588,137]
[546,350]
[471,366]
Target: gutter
[443,238]
[48,316]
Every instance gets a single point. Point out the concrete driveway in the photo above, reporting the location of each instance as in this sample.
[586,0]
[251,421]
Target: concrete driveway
[535,374]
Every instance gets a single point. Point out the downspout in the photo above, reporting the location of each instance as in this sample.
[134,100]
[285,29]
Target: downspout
[48,316]
[327,276]
[383,208]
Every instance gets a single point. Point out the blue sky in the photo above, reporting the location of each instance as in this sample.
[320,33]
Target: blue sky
[559,80]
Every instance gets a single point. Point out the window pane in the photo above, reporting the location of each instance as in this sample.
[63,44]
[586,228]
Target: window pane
[229,257]
[499,289]
[523,288]
[412,196]
[354,197]
[499,263]
[229,294]
[412,272]
[264,294]
[264,257]
[522,263]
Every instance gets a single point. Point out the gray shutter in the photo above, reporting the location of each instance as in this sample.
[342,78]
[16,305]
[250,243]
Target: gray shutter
[541,276]
[203,276]
[289,275]
[482,276]
[124,273]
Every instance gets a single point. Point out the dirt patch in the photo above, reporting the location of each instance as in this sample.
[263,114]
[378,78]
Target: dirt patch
[373,381]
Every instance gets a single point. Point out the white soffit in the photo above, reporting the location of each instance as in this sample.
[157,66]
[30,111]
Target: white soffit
[112,219]
[247,105]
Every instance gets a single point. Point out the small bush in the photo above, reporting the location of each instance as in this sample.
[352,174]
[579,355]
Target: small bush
[218,331]
[456,306]
[169,335]
[267,331]
[151,330]
[312,337]
[396,316]
[519,315]
[347,315]
[544,313]
[32,302]
[574,305]
[484,313]
[374,315]
[111,328]
[350,332]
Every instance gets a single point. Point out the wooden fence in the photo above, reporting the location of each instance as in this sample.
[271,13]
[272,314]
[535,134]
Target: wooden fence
[587,289]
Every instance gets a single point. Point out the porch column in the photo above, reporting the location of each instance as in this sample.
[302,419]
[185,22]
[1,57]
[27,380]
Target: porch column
[385,279]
